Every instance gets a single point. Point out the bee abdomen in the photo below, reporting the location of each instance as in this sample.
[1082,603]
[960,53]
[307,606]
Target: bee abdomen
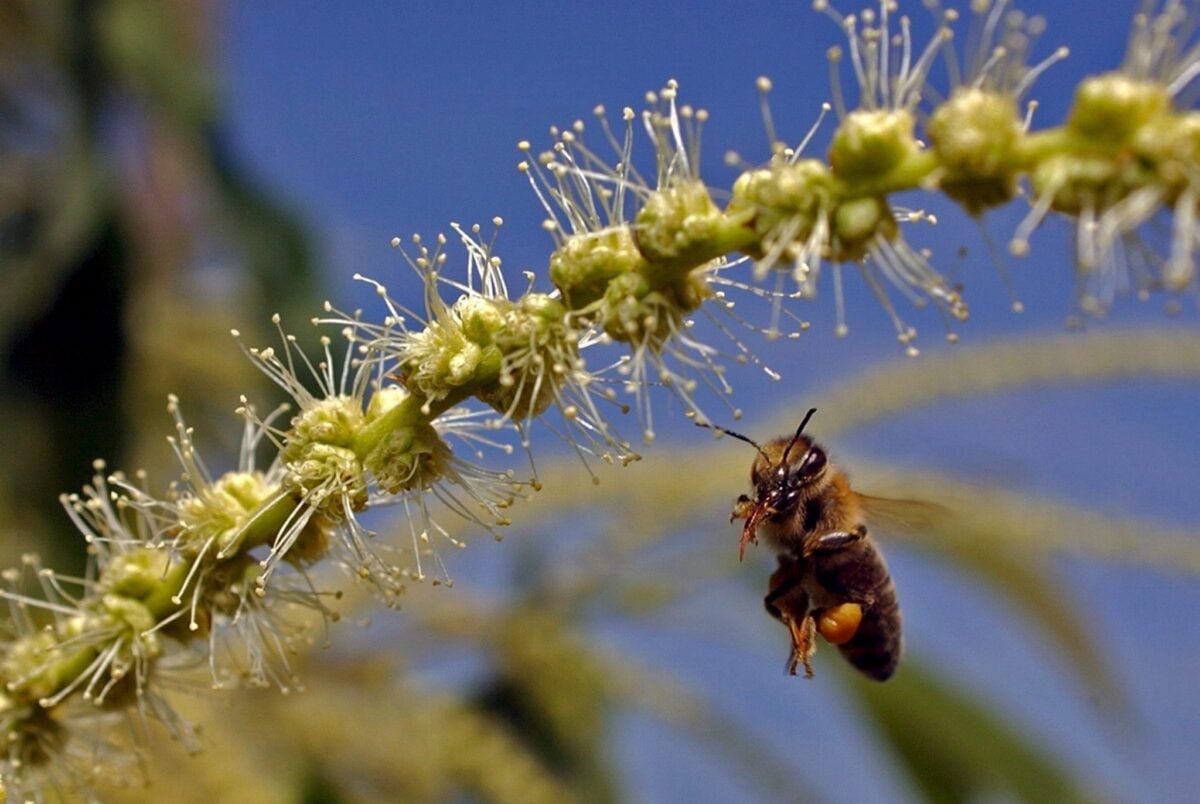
[858,573]
[876,646]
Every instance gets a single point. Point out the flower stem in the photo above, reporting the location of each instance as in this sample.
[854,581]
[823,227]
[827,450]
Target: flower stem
[1035,147]
[908,175]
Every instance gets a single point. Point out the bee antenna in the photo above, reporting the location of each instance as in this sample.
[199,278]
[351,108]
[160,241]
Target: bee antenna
[738,436]
[796,437]
[807,416]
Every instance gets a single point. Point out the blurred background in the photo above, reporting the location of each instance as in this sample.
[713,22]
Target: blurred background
[171,170]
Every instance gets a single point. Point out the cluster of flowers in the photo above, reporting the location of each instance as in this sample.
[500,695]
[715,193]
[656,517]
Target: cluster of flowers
[214,569]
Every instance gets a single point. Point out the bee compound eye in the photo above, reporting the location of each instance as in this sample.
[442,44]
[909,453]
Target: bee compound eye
[814,461]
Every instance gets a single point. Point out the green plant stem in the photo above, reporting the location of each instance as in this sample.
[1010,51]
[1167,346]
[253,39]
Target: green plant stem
[910,174]
[263,524]
[1038,146]
[732,235]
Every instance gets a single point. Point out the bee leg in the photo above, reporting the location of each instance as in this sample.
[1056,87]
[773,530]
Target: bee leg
[787,602]
[803,644]
[741,508]
[784,580]
[835,540]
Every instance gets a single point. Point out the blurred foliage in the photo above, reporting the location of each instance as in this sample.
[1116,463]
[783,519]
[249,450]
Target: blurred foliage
[512,691]
[957,750]
[130,244]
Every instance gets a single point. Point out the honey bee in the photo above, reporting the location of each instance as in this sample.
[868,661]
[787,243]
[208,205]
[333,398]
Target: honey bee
[831,577]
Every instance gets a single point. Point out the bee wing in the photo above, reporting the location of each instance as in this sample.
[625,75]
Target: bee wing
[903,516]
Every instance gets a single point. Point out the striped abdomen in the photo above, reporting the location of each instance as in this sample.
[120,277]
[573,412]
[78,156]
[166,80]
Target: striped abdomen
[858,573]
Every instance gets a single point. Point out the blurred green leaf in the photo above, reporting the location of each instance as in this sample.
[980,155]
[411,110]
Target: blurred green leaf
[665,697]
[156,48]
[1003,365]
[954,748]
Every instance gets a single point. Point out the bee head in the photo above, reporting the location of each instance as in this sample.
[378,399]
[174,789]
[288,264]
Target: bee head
[783,474]
[785,469]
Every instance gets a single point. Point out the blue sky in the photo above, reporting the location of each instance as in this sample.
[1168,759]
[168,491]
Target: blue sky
[387,118]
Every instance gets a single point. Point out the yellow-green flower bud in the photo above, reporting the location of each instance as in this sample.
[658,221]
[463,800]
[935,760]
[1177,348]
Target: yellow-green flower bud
[461,365]
[319,456]
[582,267]
[218,513]
[974,134]
[384,399]
[408,458]
[136,574]
[232,580]
[784,193]
[633,312]
[26,664]
[334,420]
[1172,144]
[1110,108]
[136,618]
[1078,182]
[855,224]
[871,144]
[679,227]
[540,350]
[538,311]
[323,472]
[455,350]
[481,318]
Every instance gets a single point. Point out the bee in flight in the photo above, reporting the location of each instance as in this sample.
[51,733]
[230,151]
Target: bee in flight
[831,578]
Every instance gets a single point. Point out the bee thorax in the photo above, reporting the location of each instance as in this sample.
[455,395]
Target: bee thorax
[783,533]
